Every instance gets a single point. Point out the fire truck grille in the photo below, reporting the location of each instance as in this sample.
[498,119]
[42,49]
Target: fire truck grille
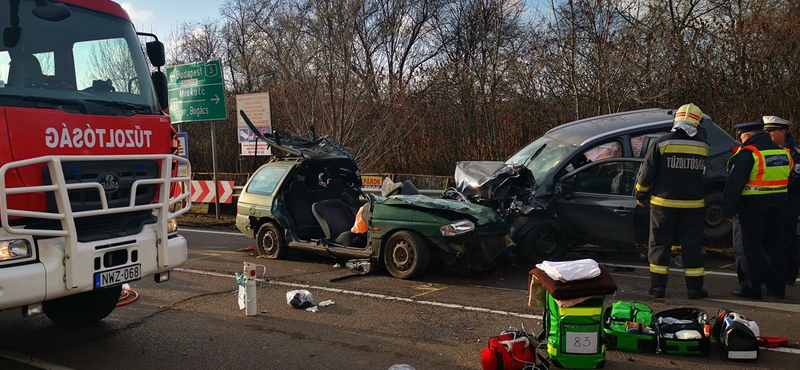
[112,226]
[116,177]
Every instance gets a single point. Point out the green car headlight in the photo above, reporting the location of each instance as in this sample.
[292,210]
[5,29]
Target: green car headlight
[457,228]
[14,249]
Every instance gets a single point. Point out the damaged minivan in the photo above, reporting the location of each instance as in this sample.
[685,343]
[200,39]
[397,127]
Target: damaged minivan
[575,184]
[311,200]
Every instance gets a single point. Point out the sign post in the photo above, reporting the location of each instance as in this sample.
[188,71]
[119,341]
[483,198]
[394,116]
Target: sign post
[197,93]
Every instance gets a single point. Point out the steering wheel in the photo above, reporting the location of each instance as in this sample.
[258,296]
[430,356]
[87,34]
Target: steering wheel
[101,86]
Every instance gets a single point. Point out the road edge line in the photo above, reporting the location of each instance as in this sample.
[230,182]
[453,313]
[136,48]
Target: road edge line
[31,361]
[375,295]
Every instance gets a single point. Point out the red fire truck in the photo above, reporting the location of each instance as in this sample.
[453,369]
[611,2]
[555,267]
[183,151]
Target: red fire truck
[87,155]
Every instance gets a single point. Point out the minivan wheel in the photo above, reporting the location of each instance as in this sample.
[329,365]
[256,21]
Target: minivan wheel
[544,242]
[715,226]
[406,255]
[270,242]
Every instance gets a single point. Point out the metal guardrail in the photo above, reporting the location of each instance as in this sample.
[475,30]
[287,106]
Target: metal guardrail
[237,191]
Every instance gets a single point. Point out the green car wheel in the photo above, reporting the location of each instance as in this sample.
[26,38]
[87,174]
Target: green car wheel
[406,255]
[270,242]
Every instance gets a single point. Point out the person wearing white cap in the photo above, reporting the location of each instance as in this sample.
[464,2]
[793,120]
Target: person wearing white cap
[671,179]
[780,130]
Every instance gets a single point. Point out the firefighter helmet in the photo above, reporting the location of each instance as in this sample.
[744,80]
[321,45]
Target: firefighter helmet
[690,114]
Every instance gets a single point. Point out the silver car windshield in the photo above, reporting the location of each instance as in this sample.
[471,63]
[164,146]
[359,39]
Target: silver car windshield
[551,152]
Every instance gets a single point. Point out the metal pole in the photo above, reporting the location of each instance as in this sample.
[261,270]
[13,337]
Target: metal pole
[255,158]
[214,165]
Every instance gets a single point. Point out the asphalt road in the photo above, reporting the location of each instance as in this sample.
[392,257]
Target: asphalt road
[437,322]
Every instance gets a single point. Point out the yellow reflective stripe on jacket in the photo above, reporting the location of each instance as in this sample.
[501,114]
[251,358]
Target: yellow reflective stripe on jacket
[677,203]
[581,311]
[552,350]
[641,188]
[656,269]
[683,147]
[696,272]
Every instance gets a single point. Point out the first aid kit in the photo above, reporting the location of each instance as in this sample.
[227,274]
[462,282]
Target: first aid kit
[629,327]
[574,335]
[509,351]
[683,331]
[737,335]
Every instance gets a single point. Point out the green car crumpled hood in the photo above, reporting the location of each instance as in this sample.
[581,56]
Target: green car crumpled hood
[482,215]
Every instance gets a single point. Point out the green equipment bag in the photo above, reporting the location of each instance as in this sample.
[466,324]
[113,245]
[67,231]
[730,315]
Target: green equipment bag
[574,335]
[690,320]
[624,336]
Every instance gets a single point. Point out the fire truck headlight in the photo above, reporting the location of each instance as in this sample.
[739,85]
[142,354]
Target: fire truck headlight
[172,226]
[14,249]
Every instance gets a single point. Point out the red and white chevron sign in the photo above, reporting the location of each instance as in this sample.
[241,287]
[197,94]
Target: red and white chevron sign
[203,191]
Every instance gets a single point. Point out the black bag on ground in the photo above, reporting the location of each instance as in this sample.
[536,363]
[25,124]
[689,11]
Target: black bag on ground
[683,331]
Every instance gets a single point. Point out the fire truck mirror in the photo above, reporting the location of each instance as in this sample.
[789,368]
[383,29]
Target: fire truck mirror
[160,84]
[53,12]
[155,52]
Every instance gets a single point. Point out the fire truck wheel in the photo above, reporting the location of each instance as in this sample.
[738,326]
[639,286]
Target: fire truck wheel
[83,308]
[270,242]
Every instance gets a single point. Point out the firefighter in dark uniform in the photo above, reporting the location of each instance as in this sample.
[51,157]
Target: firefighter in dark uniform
[756,192]
[780,131]
[671,179]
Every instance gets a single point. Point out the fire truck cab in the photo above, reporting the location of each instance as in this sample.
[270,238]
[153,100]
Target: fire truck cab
[88,195]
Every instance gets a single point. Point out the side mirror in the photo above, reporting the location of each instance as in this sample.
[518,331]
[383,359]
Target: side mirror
[564,190]
[155,52]
[160,85]
[11,36]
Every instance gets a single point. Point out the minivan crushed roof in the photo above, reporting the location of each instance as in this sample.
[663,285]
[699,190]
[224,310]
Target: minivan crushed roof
[299,145]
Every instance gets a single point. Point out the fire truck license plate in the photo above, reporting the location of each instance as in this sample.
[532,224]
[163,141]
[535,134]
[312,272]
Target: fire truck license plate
[118,276]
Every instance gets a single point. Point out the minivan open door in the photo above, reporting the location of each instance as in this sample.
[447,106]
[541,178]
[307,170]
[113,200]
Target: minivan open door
[596,203]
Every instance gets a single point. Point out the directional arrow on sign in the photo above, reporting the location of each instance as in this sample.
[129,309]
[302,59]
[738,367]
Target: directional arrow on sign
[215,99]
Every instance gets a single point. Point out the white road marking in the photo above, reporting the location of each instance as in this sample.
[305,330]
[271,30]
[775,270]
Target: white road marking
[783,350]
[671,269]
[676,269]
[789,307]
[211,232]
[377,296]
[409,300]
[30,361]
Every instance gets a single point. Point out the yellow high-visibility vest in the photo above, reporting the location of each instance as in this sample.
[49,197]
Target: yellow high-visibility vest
[767,179]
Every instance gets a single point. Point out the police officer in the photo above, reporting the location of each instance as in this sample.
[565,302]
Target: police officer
[779,129]
[671,178]
[756,192]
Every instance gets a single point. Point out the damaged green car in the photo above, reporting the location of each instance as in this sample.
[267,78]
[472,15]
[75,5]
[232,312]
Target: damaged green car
[310,199]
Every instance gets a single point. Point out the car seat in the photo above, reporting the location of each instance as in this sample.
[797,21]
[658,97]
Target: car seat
[333,191]
[24,70]
[336,219]
[298,203]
